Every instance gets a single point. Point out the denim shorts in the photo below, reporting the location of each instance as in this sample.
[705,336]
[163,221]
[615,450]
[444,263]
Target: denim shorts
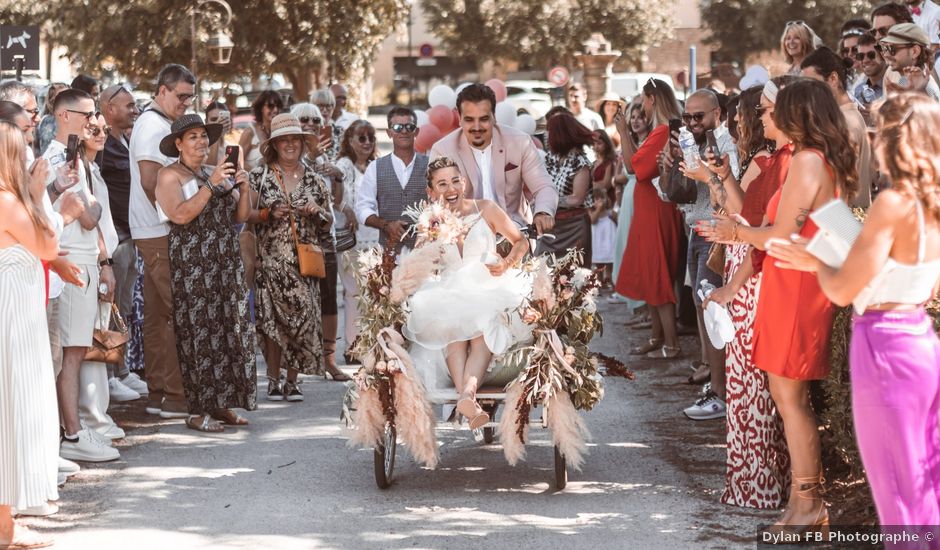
[698,271]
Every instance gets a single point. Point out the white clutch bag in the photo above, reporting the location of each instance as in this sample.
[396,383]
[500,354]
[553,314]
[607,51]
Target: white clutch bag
[838,230]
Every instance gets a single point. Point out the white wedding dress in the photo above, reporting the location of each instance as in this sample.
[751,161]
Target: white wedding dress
[466,301]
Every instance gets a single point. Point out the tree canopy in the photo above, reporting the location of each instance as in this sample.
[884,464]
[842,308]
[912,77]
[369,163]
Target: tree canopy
[540,34]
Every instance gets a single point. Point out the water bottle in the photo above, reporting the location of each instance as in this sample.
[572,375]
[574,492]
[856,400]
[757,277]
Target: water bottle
[705,288]
[689,148]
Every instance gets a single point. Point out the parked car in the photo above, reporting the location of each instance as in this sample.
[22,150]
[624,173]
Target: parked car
[533,97]
[628,85]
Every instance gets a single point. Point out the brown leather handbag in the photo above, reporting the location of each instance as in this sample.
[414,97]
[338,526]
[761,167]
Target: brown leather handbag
[309,256]
[108,346]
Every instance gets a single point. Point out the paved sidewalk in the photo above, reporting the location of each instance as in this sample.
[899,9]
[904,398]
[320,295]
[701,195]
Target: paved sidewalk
[289,481]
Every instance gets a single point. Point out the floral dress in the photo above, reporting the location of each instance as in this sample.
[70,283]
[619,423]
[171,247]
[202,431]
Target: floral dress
[288,304]
[214,340]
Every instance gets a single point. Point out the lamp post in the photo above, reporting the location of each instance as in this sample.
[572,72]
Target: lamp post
[220,44]
[411,60]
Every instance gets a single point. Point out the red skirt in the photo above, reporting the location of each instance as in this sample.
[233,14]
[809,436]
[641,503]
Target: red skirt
[651,259]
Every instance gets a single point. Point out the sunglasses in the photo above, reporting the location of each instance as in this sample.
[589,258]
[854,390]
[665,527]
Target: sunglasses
[310,120]
[761,109]
[400,128]
[115,93]
[862,56]
[98,130]
[854,32]
[697,117]
[273,105]
[88,115]
[892,49]
[881,31]
[849,52]
[33,112]
[795,22]
[366,138]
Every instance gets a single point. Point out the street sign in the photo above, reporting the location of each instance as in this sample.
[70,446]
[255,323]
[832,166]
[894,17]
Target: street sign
[18,41]
[558,76]
[426,50]
[426,62]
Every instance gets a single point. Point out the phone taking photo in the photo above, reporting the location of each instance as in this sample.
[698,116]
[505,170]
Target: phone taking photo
[232,155]
[71,150]
[713,146]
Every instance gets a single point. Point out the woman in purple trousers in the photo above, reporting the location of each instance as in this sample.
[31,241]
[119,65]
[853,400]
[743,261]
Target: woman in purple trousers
[889,274]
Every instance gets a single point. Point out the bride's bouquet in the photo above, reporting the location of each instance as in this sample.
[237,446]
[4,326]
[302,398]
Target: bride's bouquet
[435,223]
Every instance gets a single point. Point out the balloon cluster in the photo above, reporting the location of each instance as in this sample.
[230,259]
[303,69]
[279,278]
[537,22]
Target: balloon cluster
[442,118]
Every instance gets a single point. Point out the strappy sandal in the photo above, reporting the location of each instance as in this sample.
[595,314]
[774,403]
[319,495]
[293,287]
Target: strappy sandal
[332,372]
[654,343]
[206,425]
[701,373]
[230,417]
[473,412]
[27,542]
[809,488]
[665,352]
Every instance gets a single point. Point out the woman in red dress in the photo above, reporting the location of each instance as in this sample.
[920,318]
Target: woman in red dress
[794,317]
[651,259]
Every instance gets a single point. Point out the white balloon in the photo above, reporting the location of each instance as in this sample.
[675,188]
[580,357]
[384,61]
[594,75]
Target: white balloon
[442,95]
[526,123]
[505,113]
[422,118]
[460,88]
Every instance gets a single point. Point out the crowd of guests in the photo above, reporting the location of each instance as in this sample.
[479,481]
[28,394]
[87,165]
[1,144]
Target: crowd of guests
[153,217]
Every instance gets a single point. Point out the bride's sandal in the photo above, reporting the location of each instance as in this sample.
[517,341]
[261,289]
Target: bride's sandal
[654,344]
[471,410]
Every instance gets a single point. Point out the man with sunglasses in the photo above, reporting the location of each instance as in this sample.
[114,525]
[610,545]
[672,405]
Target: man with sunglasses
[703,114]
[886,16]
[22,95]
[394,182]
[906,49]
[873,66]
[175,93]
[75,114]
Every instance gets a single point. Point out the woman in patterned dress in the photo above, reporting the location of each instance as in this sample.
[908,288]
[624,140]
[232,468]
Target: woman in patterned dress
[757,465]
[287,303]
[570,170]
[210,299]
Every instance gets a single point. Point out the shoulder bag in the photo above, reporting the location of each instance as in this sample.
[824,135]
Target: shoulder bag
[309,256]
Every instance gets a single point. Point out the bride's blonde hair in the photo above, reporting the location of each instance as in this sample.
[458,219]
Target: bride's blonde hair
[13,175]
[439,164]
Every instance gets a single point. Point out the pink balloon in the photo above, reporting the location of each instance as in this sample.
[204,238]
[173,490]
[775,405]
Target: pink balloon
[428,135]
[498,88]
[537,142]
[441,117]
[456,123]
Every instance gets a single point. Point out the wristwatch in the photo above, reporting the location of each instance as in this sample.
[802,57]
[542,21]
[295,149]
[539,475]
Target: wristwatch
[106,261]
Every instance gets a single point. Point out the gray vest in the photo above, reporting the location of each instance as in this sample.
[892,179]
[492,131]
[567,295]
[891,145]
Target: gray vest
[392,199]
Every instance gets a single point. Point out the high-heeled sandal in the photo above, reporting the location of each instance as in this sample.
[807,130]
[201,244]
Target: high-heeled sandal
[665,352]
[809,488]
[654,343]
[331,371]
[701,373]
[473,412]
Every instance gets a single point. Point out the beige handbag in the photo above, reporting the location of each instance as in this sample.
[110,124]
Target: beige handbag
[309,256]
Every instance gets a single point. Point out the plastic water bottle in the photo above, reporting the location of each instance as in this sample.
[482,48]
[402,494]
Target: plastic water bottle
[689,148]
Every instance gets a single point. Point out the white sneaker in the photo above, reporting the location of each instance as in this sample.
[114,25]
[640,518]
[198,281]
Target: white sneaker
[41,511]
[134,382]
[708,407]
[68,467]
[87,448]
[120,392]
[96,435]
[113,432]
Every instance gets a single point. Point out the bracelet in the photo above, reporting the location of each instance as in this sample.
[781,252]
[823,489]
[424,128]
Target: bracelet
[264,214]
[107,262]
[734,232]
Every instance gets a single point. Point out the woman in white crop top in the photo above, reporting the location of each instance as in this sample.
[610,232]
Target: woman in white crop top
[890,273]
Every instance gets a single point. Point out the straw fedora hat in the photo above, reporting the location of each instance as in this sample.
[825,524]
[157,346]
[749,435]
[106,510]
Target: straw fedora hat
[284,124]
[609,96]
[184,124]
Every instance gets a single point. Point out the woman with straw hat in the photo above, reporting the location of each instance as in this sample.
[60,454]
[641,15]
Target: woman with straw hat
[207,278]
[608,106]
[287,303]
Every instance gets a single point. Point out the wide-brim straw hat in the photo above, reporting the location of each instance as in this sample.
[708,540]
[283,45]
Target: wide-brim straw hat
[284,124]
[184,124]
[609,96]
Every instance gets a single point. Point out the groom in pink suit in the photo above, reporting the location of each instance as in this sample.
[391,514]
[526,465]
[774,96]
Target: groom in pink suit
[500,163]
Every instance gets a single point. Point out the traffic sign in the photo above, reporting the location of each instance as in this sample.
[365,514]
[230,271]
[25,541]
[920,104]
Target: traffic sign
[558,76]
[426,50]
[16,41]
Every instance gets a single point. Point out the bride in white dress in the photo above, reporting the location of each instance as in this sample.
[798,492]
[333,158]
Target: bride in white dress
[466,311]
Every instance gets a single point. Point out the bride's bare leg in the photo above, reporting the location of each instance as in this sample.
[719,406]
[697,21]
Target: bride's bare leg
[478,361]
[456,357]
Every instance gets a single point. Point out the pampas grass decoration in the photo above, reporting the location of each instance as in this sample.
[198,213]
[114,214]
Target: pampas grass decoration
[569,432]
[369,419]
[414,418]
[415,269]
[542,286]
[513,448]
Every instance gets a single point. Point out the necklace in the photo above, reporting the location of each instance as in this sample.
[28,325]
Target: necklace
[295,174]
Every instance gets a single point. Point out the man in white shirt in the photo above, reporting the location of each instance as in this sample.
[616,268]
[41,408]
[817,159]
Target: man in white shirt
[341,117]
[577,96]
[175,93]
[74,111]
[926,15]
[394,182]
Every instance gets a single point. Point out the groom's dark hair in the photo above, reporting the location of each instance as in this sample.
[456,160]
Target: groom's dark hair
[475,93]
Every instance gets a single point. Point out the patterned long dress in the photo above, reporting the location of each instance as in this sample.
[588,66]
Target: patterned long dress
[758,464]
[214,338]
[287,305]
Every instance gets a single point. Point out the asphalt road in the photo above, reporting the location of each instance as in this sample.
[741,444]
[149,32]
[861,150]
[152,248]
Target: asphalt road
[652,480]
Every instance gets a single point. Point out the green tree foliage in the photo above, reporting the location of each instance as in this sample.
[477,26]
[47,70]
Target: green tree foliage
[309,41]
[545,32]
[742,27]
